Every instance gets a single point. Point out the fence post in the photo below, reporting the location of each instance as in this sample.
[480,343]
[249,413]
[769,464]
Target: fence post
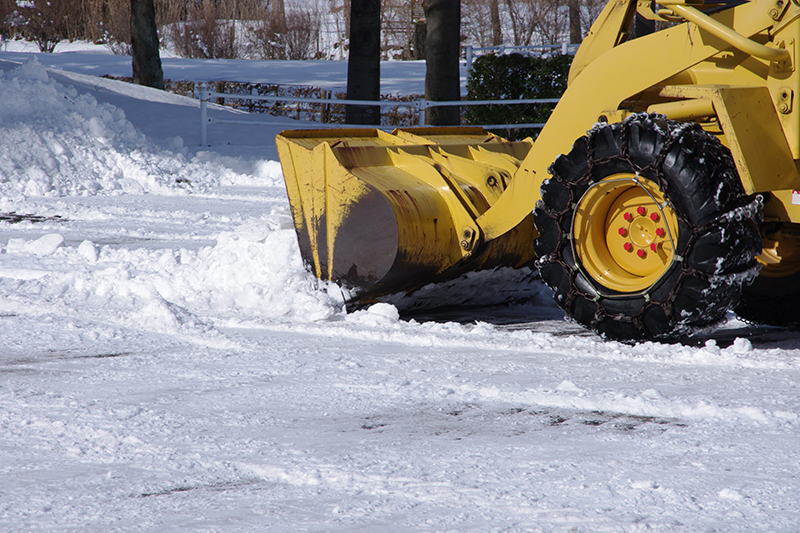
[324,113]
[203,113]
[564,49]
[469,57]
[220,88]
[421,105]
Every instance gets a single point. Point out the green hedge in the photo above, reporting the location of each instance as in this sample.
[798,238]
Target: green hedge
[514,77]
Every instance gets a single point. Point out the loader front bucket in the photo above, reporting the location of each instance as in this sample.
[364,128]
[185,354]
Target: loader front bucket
[386,213]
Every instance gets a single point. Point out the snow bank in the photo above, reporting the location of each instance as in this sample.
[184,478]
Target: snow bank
[256,271]
[252,273]
[58,142]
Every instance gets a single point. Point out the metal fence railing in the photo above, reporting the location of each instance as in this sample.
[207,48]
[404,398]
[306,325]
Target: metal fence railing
[418,107]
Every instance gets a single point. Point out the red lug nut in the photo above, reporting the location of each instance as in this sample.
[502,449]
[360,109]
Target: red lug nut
[623,231]
[641,253]
[660,232]
[641,210]
[627,216]
[654,217]
[628,246]
[653,246]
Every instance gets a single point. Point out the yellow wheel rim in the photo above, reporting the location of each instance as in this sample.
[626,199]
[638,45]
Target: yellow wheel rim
[780,256]
[624,233]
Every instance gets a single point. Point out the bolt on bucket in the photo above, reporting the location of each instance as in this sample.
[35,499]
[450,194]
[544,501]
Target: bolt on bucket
[386,213]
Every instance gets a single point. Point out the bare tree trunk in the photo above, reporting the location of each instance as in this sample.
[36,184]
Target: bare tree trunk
[420,36]
[497,30]
[575,34]
[441,58]
[144,43]
[278,8]
[364,62]
[512,15]
[347,16]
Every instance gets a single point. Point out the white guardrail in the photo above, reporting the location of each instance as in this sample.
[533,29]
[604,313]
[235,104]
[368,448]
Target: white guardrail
[419,106]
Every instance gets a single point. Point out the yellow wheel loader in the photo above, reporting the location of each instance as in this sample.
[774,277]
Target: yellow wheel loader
[662,192]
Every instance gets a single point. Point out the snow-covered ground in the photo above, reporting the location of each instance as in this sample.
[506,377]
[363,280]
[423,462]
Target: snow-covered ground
[397,77]
[166,363]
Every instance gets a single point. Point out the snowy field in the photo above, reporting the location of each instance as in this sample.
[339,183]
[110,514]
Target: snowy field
[166,364]
[397,77]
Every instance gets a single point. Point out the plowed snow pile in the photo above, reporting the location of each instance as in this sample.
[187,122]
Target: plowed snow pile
[168,364]
[59,143]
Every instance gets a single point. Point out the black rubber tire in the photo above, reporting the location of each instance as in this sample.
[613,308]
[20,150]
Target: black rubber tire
[718,229]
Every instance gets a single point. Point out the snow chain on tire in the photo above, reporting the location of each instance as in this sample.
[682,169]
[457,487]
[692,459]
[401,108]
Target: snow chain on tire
[717,229]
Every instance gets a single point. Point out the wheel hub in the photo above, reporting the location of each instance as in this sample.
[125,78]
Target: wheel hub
[624,233]
[780,255]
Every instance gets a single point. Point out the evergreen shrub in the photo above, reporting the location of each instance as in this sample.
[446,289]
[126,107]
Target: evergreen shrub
[514,77]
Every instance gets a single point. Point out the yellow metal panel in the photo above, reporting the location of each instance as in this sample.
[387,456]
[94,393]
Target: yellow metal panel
[730,36]
[506,161]
[756,139]
[343,192]
[427,235]
[299,164]
[461,210]
[311,138]
[684,109]
[445,135]
[604,35]
[289,165]
[753,132]
[486,179]
[783,205]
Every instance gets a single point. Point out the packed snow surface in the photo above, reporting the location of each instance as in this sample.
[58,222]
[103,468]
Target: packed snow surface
[167,363]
